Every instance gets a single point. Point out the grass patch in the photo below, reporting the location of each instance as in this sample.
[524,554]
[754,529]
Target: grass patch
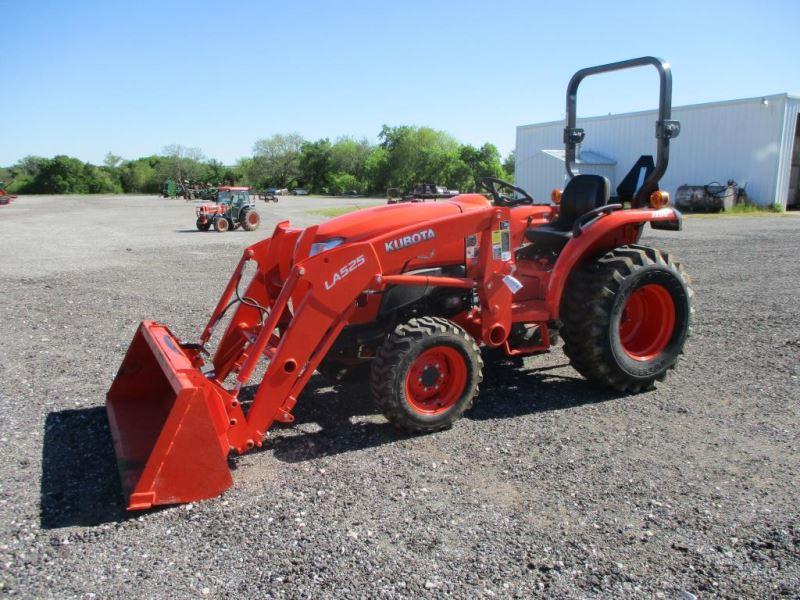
[335,211]
[750,210]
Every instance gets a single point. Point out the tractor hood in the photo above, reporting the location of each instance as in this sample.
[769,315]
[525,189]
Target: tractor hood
[377,220]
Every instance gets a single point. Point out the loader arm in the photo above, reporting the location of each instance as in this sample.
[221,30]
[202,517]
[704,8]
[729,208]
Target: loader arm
[319,295]
[174,419]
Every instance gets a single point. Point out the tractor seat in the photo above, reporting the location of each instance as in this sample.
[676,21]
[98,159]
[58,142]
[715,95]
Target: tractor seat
[582,194]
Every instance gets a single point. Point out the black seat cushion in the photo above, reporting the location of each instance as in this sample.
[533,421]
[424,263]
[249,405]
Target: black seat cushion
[582,194]
[547,236]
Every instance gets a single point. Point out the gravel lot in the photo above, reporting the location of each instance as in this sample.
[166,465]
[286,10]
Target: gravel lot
[546,488]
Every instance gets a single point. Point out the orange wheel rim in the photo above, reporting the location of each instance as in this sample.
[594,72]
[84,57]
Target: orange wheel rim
[648,322]
[436,380]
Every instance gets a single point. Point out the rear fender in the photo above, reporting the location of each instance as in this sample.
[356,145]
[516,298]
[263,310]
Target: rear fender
[597,237]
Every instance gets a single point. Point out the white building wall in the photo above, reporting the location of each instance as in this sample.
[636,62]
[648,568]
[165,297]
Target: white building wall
[786,150]
[739,139]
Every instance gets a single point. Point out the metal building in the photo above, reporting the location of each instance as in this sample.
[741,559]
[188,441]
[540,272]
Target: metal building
[754,141]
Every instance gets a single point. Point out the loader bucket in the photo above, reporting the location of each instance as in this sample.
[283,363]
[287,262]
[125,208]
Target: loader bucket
[168,424]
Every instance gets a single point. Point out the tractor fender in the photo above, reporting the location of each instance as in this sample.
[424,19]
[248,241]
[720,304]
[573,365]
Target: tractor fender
[598,237]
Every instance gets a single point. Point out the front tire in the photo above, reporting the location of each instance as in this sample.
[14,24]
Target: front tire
[426,374]
[221,224]
[203,225]
[626,318]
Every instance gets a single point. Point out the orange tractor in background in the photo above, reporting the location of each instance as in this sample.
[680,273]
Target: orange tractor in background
[5,198]
[233,208]
[411,291]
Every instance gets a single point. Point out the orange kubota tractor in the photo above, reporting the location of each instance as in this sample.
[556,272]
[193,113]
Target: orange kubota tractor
[413,290]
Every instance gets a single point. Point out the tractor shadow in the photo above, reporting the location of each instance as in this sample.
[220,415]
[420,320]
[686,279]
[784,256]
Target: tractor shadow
[328,421]
[80,484]
[510,390]
[331,421]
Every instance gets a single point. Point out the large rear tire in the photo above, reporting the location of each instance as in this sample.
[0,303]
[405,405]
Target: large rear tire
[626,317]
[426,374]
[250,219]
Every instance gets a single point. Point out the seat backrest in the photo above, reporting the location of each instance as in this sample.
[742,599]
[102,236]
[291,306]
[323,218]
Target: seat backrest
[582,194]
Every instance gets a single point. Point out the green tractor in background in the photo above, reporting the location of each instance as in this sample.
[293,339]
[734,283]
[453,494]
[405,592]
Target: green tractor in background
[233,208]
[169,189]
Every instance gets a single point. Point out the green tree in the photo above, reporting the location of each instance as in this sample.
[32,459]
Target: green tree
[66,175]
[350,155]
[482,162]
[112,160]
[276,160]
[376,170]
[510,165]
[343,183]
[421,155]
[215,173]
[141,175]
[31,165]
[180,162]
[315,164]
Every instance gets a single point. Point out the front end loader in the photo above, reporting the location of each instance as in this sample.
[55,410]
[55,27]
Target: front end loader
[408,292]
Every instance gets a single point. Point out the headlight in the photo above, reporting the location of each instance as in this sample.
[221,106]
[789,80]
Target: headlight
[326,245]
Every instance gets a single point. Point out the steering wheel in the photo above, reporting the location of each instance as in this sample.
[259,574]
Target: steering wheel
[493,185]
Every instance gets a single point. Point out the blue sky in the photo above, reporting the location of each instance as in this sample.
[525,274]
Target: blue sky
[87,77]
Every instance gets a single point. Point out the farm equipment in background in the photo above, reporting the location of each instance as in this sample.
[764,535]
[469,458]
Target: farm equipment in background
[5,197]
[169,189]
[712,197]
[268,195]
[188,191]
[419,193]
[412,291]
[206,192]
[234,207]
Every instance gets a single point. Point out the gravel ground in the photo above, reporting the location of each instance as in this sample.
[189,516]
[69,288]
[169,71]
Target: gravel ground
[546,488]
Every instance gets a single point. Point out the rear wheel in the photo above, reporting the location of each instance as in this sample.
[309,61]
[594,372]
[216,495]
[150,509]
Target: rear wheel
[626,317]
[221,224]
[203,225]
[426,374]
[250,219]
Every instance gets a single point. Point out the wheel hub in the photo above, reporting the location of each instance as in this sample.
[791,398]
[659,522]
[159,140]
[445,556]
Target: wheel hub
[430,376]
[647,322]
[436,380]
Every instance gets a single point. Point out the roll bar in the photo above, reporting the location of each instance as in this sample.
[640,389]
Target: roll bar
[666,128]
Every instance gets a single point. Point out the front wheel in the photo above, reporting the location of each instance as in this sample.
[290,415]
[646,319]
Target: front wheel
[426,374]
[203,225]
[221,224]
[626,317]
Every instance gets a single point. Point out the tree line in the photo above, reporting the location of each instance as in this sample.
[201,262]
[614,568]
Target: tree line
[403,156]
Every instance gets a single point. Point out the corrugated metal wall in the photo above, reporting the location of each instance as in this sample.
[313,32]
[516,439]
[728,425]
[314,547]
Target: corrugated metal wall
[744,140]
[786,148]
